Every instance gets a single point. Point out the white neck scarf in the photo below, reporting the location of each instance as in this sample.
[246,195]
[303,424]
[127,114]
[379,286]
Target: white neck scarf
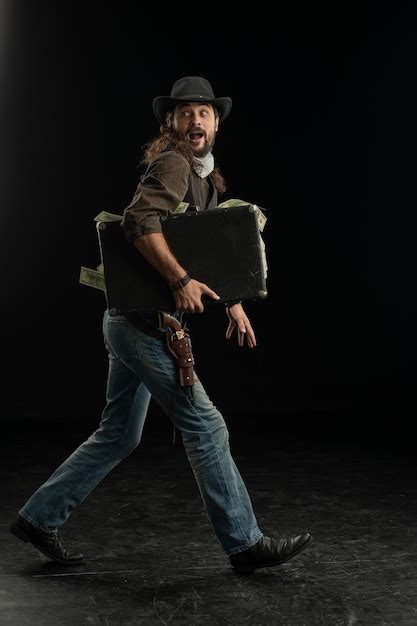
[203,166]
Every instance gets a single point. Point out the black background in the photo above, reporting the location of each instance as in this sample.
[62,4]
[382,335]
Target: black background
[322,134]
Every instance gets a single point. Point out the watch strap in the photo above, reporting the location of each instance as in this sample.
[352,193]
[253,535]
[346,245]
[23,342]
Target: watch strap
[179,284]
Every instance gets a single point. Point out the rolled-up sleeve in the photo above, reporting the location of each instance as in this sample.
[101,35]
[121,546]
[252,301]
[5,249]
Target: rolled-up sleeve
[161,189]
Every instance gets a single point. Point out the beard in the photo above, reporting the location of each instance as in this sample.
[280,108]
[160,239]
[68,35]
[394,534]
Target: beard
[207,145]
[204,151]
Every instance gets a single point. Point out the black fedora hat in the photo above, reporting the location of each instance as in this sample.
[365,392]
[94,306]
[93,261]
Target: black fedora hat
[191,89]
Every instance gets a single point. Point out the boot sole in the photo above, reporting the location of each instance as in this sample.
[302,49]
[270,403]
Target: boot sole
[249,569]
[21,534]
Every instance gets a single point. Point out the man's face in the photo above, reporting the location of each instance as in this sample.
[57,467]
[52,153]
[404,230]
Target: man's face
[198,123]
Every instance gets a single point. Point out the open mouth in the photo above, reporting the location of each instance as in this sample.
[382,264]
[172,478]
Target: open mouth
[195,138]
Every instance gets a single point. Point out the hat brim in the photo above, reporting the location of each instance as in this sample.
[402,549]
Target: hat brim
[162,104]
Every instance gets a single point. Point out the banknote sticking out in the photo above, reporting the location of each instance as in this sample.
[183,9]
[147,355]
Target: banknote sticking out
[235,202]
[105,216]
[92,278]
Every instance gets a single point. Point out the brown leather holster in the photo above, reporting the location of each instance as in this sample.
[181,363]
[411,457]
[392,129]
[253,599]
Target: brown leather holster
[179,344]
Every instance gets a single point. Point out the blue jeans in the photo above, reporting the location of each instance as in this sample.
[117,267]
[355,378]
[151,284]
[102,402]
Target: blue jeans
[141,365]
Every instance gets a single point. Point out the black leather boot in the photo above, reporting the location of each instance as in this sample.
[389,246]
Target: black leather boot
[48,543]
[268,552]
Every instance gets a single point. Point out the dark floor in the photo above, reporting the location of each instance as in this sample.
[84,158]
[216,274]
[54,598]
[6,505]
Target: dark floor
[151,557]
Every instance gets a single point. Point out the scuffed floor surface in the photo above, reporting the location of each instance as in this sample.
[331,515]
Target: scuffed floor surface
[151,556]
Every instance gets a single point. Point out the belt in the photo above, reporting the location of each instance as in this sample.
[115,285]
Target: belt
[148,323]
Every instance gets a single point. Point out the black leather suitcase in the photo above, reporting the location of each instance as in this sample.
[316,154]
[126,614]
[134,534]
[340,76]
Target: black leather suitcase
[220,247]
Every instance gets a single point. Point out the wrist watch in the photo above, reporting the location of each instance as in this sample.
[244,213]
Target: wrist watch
[232,302]
[179,284]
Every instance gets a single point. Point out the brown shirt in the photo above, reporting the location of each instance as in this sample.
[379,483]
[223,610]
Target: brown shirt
[163,186]
[167,181]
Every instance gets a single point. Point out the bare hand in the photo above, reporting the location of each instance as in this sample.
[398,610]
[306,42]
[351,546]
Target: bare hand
[238,319]
[188,299]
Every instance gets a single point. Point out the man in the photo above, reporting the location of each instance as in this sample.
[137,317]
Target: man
[180,167]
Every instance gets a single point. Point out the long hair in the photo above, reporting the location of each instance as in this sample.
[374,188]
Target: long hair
[167,137]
